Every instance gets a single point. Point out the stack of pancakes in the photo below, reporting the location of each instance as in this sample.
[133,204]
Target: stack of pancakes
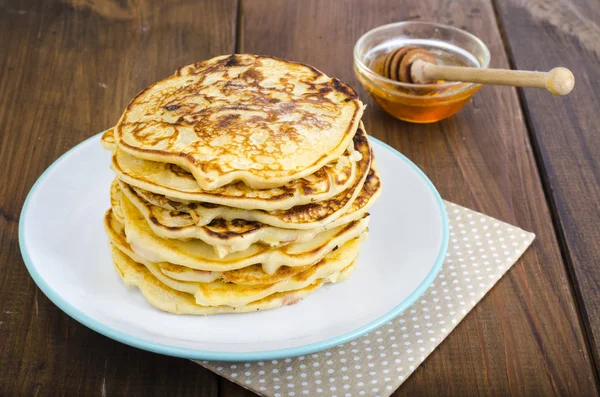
[242,184]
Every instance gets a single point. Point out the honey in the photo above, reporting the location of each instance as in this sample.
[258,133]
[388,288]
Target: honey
[419,103]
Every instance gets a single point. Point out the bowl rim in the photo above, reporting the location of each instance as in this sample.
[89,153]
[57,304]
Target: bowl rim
[365,69]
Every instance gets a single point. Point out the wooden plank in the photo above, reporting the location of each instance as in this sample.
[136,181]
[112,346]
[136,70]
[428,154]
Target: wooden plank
[565,130]
[68,70]
[229,389]
[524,337]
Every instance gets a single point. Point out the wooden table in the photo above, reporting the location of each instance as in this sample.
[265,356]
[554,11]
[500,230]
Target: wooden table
[525,157]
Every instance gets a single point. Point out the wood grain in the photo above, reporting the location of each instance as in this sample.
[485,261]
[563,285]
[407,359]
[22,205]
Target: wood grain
[524,338]
[68,70]
[565,131]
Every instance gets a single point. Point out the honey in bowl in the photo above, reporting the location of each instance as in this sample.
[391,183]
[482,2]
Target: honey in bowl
[418,103]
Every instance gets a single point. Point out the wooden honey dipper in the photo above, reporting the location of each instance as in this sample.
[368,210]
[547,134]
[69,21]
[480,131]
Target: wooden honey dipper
[416,65]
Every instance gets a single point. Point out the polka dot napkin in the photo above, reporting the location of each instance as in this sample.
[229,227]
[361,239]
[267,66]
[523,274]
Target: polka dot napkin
[481,250]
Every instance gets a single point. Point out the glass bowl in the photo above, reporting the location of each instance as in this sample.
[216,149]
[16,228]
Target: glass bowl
[419,103]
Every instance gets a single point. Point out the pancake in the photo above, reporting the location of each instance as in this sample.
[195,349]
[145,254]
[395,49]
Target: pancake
[219,293]
[170,300]
[182,273]
[179,185]
[196,254]
[108,140]
[340,210]
[259,120]
[255,275]
[115,201]
[225,236]
[249,276]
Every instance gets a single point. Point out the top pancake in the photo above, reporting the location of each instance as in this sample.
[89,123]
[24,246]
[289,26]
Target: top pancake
[260,120]
[179,185]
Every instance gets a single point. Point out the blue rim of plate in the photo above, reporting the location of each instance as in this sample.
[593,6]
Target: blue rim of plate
[174,351]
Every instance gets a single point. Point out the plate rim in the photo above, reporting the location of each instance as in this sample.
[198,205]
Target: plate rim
[174,351]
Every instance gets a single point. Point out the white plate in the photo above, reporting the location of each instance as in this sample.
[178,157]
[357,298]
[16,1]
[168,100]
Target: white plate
[65,249]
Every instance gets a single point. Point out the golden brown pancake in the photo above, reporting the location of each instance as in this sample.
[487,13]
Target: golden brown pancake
[225,236]
[252,275]
[197,254]
[219,292]
[179,185]
[170,300]
[260,120]
[338,211]
[348,205]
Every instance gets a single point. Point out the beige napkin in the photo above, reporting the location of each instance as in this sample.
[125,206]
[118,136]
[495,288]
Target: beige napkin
[480,251]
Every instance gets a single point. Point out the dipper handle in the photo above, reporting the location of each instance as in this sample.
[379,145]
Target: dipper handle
[559,81]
